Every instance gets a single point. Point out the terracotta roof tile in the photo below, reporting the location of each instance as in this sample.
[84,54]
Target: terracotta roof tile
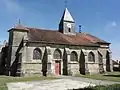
[94,39]
[19,27]
[52,36]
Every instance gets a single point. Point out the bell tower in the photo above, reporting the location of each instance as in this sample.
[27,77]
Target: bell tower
[67,23]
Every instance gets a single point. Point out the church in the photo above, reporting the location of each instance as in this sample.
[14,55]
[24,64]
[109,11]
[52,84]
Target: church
[34,51]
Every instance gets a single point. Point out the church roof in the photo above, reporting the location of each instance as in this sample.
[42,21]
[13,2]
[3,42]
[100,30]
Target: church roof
[19,27]
[50,36]
[67,16]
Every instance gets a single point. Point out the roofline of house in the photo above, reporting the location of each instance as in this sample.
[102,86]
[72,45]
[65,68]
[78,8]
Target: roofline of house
[103,43]
[23,30]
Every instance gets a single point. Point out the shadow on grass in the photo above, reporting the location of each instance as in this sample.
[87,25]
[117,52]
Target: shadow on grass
[102,87]
[112,75]
[84,89]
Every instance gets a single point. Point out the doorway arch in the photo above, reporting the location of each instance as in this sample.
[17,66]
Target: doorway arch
[57,55]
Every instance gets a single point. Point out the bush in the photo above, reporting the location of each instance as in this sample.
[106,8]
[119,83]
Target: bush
[116,68]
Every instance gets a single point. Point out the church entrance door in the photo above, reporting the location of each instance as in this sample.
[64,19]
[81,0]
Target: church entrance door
[57,67]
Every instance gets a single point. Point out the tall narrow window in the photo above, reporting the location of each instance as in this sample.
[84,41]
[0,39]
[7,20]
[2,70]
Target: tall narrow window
[57,54]
[69,30]
[37,54]
[91,57]
[73,56]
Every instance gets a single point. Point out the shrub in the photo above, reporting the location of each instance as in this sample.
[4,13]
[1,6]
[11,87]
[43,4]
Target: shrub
[116,68]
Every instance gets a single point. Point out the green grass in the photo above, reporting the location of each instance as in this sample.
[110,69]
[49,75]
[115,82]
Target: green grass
[110,76]
[8,79]
[102,87]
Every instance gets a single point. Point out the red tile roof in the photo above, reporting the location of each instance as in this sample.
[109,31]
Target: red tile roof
[53,36]
[19,27]
[50,36]
[115,62]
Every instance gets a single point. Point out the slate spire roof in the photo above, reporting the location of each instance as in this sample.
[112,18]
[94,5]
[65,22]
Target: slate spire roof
[67,16]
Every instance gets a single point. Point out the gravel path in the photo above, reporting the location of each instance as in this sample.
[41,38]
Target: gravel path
[93,81]
[59,84]
[65,83]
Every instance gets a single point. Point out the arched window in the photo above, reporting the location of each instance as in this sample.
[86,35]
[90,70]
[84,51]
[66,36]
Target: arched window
[73,56]
[57,54]
[91,57]
[37,54]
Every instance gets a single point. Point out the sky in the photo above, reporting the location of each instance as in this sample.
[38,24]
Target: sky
[97,17]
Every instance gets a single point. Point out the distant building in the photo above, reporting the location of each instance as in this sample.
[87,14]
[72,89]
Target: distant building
[62,52]
[116,65]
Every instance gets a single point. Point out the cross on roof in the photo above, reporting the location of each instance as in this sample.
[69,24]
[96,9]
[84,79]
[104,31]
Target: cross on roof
[66,3]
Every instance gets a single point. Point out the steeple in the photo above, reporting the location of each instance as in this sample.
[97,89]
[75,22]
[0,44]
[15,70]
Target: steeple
[67,16]
[67,23]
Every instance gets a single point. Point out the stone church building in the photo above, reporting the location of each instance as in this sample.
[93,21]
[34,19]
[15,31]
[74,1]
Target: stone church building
[33,51]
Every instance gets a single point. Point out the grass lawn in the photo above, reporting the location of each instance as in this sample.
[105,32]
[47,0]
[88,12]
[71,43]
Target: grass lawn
[110,76]
[7,79]
[102,87]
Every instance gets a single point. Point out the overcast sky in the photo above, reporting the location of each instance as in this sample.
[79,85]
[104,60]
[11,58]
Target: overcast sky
[97,17]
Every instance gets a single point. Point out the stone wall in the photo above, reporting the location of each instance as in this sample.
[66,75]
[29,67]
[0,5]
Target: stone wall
[29,69]
[30,66]
[93,68]
[15,38]
[73,67]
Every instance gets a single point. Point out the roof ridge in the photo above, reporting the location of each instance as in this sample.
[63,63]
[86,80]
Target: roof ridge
[42,29]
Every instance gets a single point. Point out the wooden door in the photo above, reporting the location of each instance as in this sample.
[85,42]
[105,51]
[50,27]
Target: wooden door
[57,68]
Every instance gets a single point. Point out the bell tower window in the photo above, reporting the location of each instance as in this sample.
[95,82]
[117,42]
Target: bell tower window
[69,30]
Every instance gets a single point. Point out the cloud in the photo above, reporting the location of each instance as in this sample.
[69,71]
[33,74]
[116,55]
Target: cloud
[12,6]
[113,24]
[110,25]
